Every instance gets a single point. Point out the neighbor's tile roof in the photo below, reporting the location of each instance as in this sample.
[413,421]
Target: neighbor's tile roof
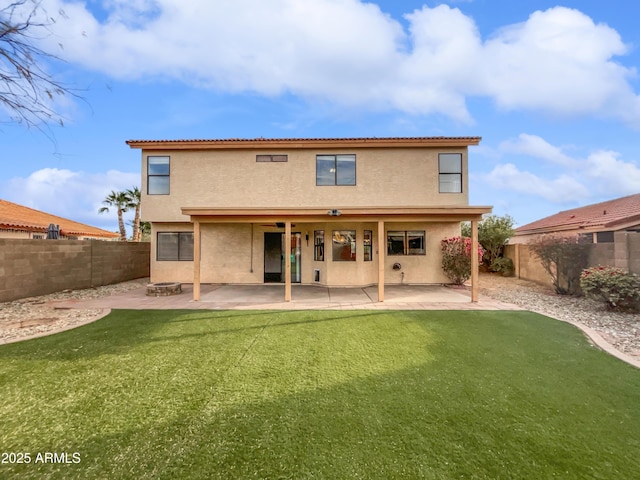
[18,217]
[605,214]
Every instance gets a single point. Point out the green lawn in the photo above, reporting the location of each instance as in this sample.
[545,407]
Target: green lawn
[319,394]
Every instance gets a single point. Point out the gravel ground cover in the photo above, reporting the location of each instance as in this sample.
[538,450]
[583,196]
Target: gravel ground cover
[35,315]
[31,316]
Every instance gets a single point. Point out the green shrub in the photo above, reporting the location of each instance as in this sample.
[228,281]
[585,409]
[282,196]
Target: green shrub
[456,258]
[493,234]
[618,289]
[503,265]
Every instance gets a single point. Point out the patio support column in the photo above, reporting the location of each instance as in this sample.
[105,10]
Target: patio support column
[196,261]
[474,260]
[381,253]
[287,261]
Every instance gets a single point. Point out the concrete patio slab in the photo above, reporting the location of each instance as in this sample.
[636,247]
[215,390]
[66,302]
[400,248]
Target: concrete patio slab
[271,296]
[421,294]
[242,293]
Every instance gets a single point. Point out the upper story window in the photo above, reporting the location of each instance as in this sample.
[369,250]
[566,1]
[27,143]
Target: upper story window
[157,175]
[335,170]
[272,158]
[450,170]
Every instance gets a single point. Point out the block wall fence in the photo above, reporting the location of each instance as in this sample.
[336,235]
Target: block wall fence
[624,252]
[38,267]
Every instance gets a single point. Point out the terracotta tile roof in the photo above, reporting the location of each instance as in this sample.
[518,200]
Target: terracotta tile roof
[18,217]
[305,142]
[607,214]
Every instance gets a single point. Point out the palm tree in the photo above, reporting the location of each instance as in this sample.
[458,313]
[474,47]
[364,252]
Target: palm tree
[134,202]
[121,202]
[145,230]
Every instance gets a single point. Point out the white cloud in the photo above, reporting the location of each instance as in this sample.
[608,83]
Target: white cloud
[559,61]
[562,189]
[537,147]
[432,77]
[601,175]
[611,175]
[74,195]
[349,52]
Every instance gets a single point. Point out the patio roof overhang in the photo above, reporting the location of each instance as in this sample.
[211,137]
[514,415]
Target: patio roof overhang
[337,214]
[380,215]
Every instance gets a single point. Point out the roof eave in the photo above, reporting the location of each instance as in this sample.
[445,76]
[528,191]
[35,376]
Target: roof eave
[225,144]
[22,227]
[73,233]
[623,222]
[550,229]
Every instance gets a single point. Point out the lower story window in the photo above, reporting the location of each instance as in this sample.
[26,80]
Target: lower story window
[407,242]
[605,237]
[368,235]
[318,245]
[175,246]
[344,246]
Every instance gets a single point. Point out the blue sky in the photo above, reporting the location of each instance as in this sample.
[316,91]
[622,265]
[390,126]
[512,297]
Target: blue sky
[552,88]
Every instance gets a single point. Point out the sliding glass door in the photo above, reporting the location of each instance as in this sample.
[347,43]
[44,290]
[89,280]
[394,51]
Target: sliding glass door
[274,257]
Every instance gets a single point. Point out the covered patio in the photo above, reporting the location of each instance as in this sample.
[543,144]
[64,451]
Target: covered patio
[381,218]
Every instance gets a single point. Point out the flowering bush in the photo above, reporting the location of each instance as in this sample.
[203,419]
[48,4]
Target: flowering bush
[456,258]
[618,289]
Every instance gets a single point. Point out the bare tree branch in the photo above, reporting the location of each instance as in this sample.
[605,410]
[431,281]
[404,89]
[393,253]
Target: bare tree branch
[27,91]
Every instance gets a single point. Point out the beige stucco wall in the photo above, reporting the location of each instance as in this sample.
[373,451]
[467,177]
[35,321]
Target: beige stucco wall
[169,271]
[227,254]
[15,234]
[420,268]
[219,178]
[343,273]
[232,254]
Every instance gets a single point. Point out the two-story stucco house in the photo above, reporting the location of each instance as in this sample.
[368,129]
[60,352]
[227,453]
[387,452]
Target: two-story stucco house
[335,212]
